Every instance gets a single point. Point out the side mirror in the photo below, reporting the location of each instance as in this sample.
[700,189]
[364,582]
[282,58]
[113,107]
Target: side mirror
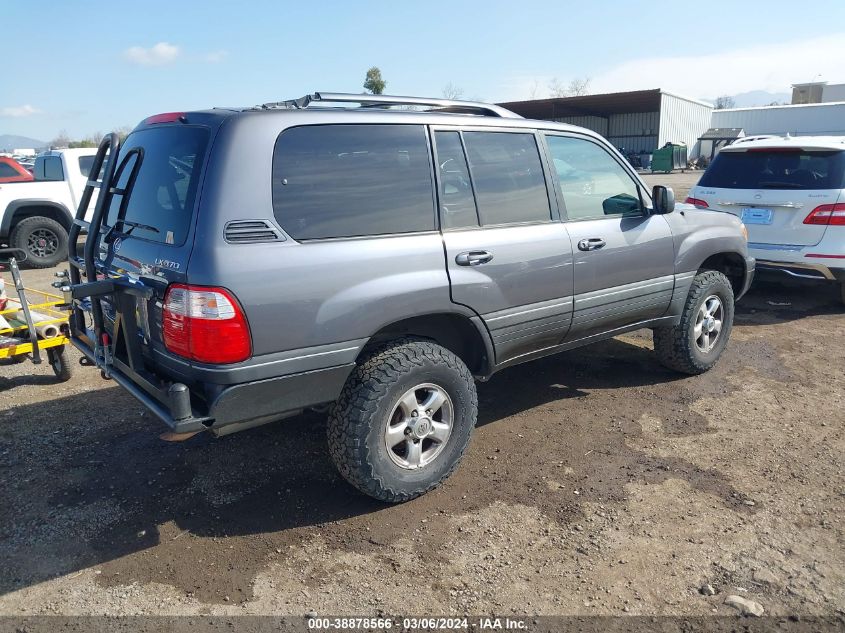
[663,199]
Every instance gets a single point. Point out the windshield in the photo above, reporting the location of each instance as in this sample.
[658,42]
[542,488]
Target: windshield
[776,169]
[160,204]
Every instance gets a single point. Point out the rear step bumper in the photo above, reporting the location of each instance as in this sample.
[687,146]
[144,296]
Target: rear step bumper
[171,402]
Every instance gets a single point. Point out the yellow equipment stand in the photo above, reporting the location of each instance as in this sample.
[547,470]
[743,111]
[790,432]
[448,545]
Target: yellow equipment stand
[17,341]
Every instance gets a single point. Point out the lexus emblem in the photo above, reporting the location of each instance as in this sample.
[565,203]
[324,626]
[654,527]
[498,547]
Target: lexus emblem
[117,244]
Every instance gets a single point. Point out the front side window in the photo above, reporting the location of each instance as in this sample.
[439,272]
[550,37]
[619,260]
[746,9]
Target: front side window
[593,184]
[508,177]
[352,180]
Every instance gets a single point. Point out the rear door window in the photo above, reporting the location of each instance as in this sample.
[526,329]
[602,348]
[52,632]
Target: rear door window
[161,201]
[776,169]
[334,181]
[508,177]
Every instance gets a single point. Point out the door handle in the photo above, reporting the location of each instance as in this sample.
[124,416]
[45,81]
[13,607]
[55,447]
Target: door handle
[473,258]
[592,244]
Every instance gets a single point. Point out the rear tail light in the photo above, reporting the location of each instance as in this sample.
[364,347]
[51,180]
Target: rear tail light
[827,215]
[205,324]
[697,202]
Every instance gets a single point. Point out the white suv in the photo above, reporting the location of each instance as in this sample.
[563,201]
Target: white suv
[790,193]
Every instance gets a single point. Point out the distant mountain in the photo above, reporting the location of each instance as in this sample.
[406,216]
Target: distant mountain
[9,142]
[761,98]
[757,98]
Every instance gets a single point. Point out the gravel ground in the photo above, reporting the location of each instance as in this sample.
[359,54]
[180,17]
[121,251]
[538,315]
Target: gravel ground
[597,482]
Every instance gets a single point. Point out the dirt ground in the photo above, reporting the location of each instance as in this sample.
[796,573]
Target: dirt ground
[597,482]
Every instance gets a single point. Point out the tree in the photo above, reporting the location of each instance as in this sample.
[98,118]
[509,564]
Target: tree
[374,82]
[556,88]
[579,87]
[724,102]
[534,90]
[451,91]
[576,88]
[62,140]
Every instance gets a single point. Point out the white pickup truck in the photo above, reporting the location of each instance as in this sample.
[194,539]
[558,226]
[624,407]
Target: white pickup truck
[36,216]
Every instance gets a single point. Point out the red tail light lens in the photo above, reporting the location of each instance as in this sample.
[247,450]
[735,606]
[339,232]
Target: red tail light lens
[697,202]
[205,324]
[827,215]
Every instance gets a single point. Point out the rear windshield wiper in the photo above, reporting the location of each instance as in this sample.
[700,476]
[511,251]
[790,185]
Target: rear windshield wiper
[780,185]
[136,225]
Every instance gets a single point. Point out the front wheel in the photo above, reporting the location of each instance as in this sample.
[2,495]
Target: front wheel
[696,343]
[403,420]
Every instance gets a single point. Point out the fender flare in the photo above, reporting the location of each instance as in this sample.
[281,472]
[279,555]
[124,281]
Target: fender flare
[16,205]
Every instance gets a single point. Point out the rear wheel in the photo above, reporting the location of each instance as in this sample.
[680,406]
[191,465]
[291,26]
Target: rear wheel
[695,344]
[403,420]
[43,239]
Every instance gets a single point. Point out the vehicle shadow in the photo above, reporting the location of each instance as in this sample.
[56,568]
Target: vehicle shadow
[776,299]
[85,481]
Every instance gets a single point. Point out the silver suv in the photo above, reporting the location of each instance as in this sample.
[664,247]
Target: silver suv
[375,256]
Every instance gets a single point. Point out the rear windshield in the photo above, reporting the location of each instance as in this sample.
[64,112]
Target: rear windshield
[160,204]
[776,169]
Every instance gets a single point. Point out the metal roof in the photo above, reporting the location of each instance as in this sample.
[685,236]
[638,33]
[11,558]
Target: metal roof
[721,133]
[602,105]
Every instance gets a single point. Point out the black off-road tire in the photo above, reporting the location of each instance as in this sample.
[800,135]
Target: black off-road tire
[675,346]
[358,419]
[20,238]
[60,362]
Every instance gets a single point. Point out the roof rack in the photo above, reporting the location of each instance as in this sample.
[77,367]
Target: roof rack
[383,101]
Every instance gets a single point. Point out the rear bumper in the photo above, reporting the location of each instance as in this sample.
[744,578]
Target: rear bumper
[186,412]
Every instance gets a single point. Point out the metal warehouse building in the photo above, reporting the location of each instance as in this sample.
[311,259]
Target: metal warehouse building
[805,119]
[640,121]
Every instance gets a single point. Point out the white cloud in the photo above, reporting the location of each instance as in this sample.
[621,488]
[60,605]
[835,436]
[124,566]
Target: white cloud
[158,55]
[773,67]
[18,111]
[732,70]
[215,57]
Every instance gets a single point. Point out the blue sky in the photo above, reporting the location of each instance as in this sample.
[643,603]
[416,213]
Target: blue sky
[158,56]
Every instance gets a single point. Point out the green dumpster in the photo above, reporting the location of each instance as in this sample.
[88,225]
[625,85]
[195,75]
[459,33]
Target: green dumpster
[670,156]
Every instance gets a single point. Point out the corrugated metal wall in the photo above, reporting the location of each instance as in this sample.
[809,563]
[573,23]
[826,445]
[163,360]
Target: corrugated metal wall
[683,121]
[815,118]
[595,123]
[636,132]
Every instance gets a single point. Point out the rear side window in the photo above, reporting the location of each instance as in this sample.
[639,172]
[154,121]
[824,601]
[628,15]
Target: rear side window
[161,202]
[352,180]
[85,164]
[508,177]
[49,168]
[776,169]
